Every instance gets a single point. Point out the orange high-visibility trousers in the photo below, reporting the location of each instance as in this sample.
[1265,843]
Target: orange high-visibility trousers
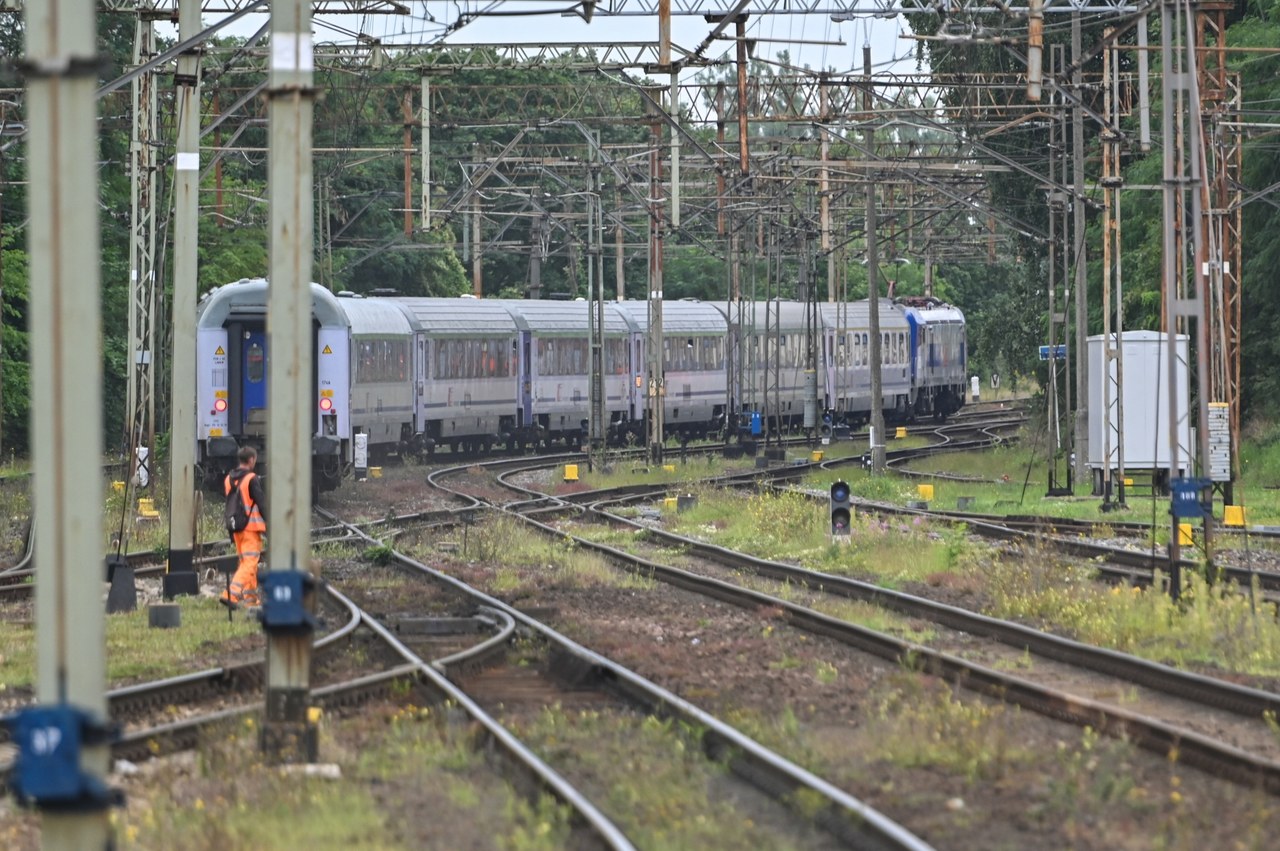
[245,582]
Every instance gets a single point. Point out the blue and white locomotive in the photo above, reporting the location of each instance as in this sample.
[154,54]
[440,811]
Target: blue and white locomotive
[421,374]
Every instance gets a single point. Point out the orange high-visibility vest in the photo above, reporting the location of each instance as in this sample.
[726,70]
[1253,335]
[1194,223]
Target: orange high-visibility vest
[256,523]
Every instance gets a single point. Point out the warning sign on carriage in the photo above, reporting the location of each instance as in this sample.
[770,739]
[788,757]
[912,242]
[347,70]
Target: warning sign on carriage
[327,350]
[219,352]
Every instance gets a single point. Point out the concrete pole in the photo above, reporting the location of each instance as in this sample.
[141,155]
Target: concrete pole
[181,576]
[1109,201]
[928,262]
[1055,433]
[406,109]
[426,152]
[657,390]
[535,257]
[824,189]
[1144,88]
[66,373]
[1171,265]
[744,160]
[720,219]
[1199,460]
[1060,64]
[3,118]
[619,261]
[674,108]
[873,288]
[599,404]
[140,395]
[1079,256]
[292,403]
[477,266]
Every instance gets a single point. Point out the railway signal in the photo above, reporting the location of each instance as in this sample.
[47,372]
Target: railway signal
[841,509]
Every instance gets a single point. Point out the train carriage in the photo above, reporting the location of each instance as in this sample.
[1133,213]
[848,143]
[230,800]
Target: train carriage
[847,362]
[469,360]
[558,392]
[771,342]
[694,340]
[232,355]
[383,373]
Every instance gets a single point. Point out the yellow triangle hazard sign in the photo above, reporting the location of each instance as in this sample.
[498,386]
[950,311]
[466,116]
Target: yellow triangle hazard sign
[219,351]
[327,350]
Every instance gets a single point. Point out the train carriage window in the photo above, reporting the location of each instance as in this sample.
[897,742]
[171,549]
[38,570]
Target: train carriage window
[501,353]
[255,362]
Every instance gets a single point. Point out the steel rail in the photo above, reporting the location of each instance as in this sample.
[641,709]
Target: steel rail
[1209,691]
[486,649]
[211,682]
[144,744]
[1143,560]
[846,816]
[1213,756]
[547,777]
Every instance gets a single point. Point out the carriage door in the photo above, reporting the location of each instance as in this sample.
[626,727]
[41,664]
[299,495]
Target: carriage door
[639,388]
[253,374]
[526,379]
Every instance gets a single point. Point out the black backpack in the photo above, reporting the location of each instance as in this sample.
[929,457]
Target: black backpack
[236,513]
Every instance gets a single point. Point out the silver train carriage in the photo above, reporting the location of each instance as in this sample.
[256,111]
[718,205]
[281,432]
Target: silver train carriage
[469,360]
[232,353]
[846,377]
[384,372]
[554,387]
[694,339]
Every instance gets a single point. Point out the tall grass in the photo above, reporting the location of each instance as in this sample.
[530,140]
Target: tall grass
[792,527]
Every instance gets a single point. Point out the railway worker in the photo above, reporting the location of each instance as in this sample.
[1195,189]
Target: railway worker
[244,585]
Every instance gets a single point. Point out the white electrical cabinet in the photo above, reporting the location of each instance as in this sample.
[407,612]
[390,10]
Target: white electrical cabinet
[1145,389]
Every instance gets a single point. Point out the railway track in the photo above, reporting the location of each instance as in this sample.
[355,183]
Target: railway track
[1111,562]
[1250,706]
[232,689]
[846,817]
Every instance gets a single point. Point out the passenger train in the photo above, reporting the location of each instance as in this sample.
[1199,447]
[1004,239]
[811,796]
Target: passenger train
[420,374]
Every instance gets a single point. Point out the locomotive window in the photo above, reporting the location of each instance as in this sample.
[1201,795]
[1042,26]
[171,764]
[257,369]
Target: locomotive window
[255,363]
